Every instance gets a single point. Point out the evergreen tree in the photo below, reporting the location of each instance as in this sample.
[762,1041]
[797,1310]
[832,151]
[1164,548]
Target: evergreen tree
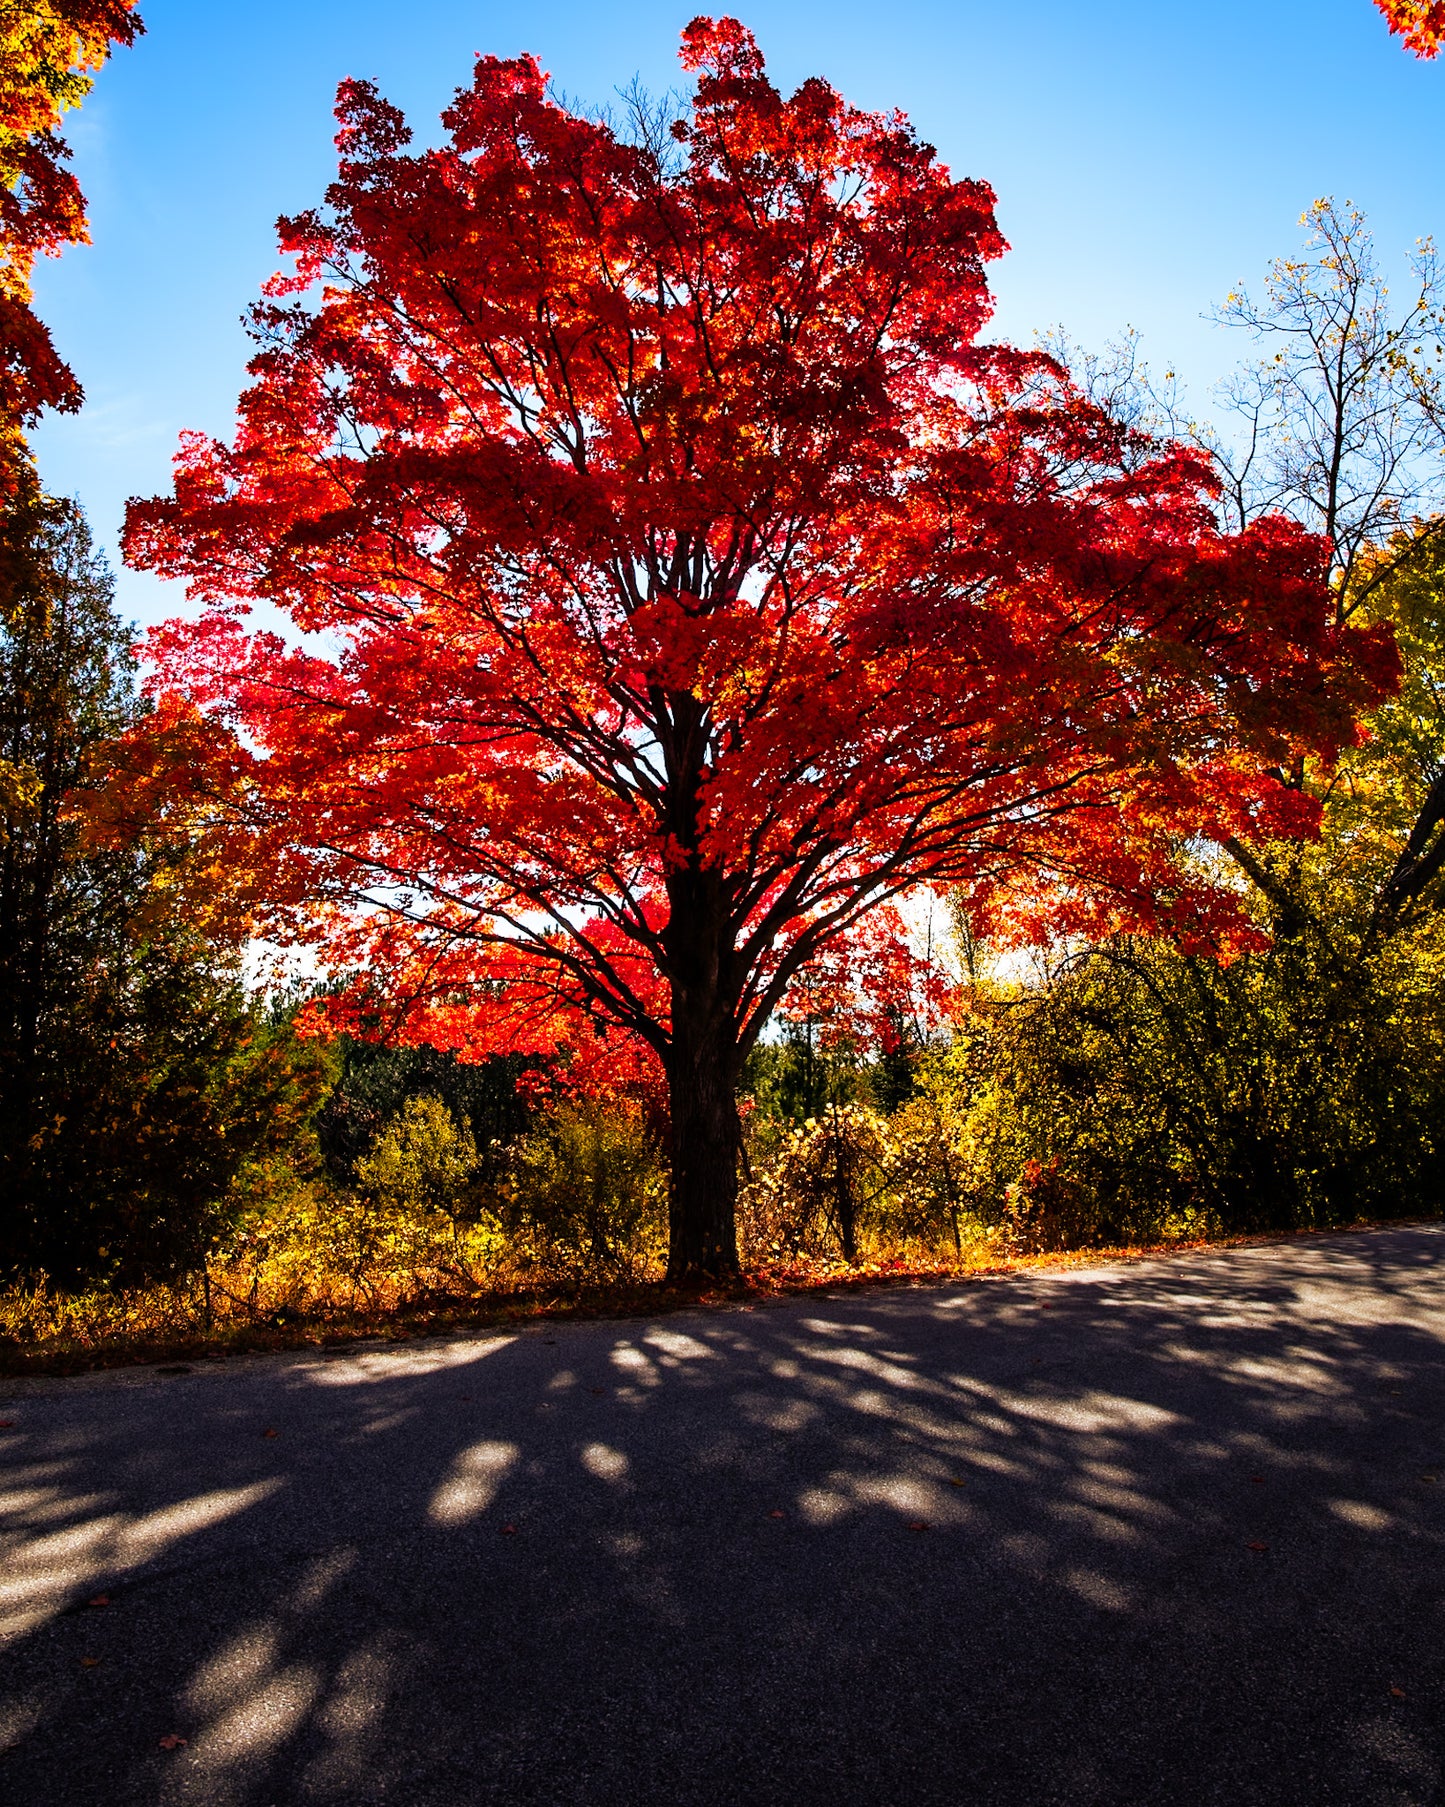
[137,1080]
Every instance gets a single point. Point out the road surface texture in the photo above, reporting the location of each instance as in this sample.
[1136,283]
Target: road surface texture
[1170,1532]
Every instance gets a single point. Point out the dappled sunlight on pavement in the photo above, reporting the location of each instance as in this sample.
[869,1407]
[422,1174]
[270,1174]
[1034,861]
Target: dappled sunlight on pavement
[1168,1532]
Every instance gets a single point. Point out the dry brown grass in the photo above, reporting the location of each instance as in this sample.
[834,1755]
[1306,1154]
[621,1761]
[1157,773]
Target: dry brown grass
[42,1332]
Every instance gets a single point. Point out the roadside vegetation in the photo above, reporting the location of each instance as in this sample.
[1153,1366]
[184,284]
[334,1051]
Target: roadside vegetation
[1209,1008]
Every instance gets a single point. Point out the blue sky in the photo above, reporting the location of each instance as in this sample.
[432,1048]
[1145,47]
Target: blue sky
[1146,156]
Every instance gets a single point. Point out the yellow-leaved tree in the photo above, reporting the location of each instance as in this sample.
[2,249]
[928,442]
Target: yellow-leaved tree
[49,52]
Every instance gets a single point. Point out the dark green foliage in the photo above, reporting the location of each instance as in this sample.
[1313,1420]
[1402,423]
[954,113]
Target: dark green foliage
[799,1074]
[375,1084]
[791,1079]
[155,1096]
[136,1080]
[893,1074]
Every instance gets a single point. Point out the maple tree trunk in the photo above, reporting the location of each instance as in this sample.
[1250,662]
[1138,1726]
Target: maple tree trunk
[702,1074]
[702,1200]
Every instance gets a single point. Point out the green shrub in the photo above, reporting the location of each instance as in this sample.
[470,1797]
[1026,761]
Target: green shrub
[1145,1094]
[374,1082]
[414,1224]
[585,1194]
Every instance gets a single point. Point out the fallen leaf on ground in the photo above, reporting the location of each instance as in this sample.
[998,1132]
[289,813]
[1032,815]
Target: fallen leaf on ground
[509,1530]
[270,1433]
[173,1741]
[1258,1479]
[99,1600]
[598,1391]
[958,1483]
[1399,1694]
[7,1424]
[918,1524]
[1259,1548]
[776,1514]
[89,1662]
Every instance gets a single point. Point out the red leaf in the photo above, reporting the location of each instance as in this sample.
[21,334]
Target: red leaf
[919,1524]
[509,1530]
[1399,1694]
[270,1433]
[99,1600]
[1259,1548]
[776,1514]
[7,1424]
[173,1741]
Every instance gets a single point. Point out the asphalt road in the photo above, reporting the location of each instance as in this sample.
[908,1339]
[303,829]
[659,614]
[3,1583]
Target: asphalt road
[1172,1532]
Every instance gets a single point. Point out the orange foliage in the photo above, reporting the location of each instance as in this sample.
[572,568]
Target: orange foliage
[1421,23]
[48,51]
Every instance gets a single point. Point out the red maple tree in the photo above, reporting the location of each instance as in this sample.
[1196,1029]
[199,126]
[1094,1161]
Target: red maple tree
[679,577]
[1421,23]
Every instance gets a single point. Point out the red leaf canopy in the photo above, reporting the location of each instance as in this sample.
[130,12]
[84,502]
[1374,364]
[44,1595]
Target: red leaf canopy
[678,576]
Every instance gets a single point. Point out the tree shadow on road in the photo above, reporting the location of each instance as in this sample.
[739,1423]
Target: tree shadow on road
[1163,1533]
